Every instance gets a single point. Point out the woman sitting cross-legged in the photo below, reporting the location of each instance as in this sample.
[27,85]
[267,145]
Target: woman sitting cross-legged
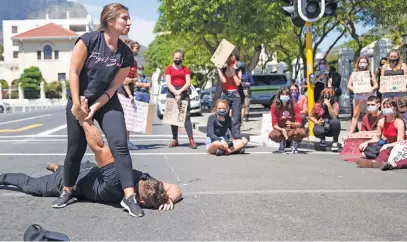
[324,115]
[286,121]
[390,130]
[218,131]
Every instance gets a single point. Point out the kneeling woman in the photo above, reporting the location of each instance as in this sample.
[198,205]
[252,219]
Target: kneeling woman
[286,121]
[218,131]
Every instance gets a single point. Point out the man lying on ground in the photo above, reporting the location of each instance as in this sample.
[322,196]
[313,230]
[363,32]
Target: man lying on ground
[97,183]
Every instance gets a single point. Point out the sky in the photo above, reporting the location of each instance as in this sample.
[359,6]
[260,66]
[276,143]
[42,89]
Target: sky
[144,15]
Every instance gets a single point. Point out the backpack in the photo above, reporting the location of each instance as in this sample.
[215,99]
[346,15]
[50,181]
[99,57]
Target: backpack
[36,233]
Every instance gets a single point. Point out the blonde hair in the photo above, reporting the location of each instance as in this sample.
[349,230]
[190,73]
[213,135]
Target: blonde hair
[356,68]
[398,67]
[109,13]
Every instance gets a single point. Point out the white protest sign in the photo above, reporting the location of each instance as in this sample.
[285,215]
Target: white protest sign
[266,128]
[175,113]
[138,115]
[393,83]
[222,53]
[399,152]
[361,82]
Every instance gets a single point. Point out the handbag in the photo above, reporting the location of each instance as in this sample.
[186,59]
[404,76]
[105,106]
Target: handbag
[36,233]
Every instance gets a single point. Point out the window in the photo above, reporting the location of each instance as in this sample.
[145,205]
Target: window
[47,52]
[39,55]
[15,54]
[14,29]
[56,54]
[268,80]
[61,76]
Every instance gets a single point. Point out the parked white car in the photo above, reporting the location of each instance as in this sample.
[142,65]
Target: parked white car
[4,106]
[195,104]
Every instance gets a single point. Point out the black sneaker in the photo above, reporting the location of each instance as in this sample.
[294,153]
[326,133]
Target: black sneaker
[131,205]
[220,152]
[63,200]
[242,151]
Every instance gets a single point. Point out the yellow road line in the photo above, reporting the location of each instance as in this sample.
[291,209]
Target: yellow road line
[20,129]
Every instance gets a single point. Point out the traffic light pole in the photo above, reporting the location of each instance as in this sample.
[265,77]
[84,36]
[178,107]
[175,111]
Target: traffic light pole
[310,70]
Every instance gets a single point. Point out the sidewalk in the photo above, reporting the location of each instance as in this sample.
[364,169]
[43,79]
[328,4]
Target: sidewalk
[252,129]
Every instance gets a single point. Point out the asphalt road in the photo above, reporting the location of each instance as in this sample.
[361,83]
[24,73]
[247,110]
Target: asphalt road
[257,196]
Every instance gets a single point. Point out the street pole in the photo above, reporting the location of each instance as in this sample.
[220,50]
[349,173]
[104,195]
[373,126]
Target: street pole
[310,70]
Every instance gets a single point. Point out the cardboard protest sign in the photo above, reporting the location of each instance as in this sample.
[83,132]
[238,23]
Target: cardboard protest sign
[393,83]
[399,152]
[138,116]
[175,112]
[361,82]
[266,128]
[353,141]
[222,53]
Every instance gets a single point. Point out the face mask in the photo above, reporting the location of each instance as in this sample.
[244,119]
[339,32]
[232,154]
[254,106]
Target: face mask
[387,111]
[222,113]
[177,62]
[372,109]
[296,95]
[140,73]
[284,98]
[327,97]
[362,65]
[394,61]
[322,67]
[135,54]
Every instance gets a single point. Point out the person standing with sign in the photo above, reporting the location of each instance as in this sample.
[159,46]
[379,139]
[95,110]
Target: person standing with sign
[142,86]
[394,68]
[362,64]
[230,77]
[178,79]
[99,65]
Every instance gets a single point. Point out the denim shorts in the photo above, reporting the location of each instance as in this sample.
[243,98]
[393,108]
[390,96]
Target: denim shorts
[209,141]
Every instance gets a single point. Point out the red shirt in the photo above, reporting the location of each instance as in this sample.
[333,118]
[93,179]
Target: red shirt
[133,71]
[318,111]
[178,77]
[229,84]
[390,131]
[369,123]
[281,115]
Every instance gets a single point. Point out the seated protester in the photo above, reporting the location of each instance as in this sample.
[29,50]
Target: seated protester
[390,129]
[218,129]
[97,183]
[301,101]
[324,115]
[370,120]
[286,121]
[402,105]
[382,162]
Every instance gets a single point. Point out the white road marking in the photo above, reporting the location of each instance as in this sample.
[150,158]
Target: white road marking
[163,154]
[51,131]
[65,140]
[64,136]
[316,191]
[24,119]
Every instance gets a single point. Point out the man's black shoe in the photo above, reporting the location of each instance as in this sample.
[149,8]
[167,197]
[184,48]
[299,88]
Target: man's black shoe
[63,200]
[220,152]
[131,205]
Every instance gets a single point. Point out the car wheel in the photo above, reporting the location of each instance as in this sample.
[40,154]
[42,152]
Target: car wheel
[159,115]
[1,109]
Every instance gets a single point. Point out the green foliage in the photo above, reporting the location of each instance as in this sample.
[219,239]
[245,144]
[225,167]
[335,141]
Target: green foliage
[31,78]
[4,84]
[53,89]
[1,52]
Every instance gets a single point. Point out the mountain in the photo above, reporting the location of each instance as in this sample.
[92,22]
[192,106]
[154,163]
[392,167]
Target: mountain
[37,9]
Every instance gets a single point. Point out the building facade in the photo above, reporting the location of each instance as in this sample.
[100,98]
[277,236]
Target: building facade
[44,43]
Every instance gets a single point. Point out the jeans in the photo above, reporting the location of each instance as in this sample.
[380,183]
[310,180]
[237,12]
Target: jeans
[111,120]
[143,97]
[188,123]
[235,104]
[334,130]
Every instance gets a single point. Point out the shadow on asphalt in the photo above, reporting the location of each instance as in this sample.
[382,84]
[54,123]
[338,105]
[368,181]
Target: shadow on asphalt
[150,146]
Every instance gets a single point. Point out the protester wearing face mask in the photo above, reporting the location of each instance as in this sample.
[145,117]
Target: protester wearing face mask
[321,80]
[370,120]
[286,121]
[223,138]
[395,68]
[378,73]
[390,130]
[230,77]
[301,101]
[178,79]
[360,98]
[324,115]
[402,105]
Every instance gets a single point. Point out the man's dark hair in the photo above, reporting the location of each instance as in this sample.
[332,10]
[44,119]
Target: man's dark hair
[153,193]
[373,99]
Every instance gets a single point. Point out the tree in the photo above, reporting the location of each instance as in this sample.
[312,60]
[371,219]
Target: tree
[4,83]
[1,53]
[30,81]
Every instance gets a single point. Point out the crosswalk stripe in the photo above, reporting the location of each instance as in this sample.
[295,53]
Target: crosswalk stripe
[51,131]
[24,119]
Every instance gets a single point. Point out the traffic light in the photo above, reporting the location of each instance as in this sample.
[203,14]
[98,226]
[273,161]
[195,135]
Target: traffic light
[292,12]
[330,8]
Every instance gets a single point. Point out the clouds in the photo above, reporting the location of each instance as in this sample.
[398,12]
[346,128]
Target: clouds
[141,29]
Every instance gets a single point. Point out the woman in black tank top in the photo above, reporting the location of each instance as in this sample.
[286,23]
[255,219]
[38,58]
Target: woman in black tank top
[394,68]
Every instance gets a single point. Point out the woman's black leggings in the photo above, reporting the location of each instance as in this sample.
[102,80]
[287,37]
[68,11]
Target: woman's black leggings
[111,120]
[188,123]
[334,130]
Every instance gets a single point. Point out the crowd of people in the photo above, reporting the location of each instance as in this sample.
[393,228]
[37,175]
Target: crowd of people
[103,67]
